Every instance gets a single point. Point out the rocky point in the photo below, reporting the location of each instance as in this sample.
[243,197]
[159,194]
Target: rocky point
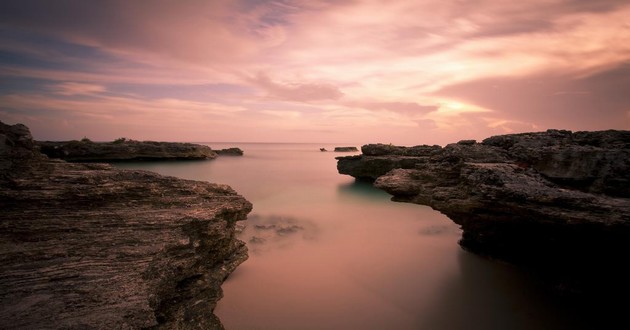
[555,202]
[87,246]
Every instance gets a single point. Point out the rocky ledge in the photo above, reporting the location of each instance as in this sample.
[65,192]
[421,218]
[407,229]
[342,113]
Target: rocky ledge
[86,246]
[124,150]
[555,202]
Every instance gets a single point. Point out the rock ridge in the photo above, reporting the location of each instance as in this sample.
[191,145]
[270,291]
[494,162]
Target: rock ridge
[87,246]
[556,202]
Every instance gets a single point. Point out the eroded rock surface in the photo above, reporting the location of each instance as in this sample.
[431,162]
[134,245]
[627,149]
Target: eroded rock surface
[124,150]
[556,201]
[87,246]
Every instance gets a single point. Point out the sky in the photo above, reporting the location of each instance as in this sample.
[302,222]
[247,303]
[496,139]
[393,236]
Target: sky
[406,72]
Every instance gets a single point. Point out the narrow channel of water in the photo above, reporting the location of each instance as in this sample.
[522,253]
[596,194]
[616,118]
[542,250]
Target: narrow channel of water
[329,253]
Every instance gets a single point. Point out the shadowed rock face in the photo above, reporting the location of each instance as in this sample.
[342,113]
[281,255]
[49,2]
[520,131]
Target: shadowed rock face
[88,246]
[124,150]
[556,201]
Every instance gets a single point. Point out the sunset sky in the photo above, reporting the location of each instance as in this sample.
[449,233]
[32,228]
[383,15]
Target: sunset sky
[354,71]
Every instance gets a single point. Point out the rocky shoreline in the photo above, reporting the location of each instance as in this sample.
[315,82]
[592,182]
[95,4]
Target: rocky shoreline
[554,202]
[90,246]
[129,150]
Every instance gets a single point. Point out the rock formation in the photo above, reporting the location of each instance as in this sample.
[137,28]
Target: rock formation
[555,202]
[124,150]
[230,152]
[345,149]
[87,246]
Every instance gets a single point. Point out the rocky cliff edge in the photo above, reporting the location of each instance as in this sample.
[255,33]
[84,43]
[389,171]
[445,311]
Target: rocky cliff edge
[86,246]
[557,202]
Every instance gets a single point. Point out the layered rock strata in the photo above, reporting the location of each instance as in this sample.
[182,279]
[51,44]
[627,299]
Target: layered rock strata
[557,202]
[87,246]
[124,150]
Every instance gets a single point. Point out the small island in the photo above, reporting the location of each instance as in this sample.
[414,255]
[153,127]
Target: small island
[229,152]
[124,150]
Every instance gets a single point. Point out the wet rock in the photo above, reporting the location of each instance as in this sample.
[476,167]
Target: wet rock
[87,246]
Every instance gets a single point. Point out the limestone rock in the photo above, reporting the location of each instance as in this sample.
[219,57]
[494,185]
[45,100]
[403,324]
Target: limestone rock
[378,159]
[556,202]
[87,246]
[124,150]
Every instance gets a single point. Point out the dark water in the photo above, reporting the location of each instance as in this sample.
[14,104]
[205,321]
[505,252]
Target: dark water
[329,253]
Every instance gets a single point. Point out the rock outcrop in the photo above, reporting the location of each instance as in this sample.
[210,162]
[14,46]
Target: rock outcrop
[230,152]
[87,246]
[555,202]
[345,149]
[124,150]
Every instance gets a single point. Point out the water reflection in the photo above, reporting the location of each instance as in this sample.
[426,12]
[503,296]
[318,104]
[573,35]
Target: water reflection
[363,190]
[489,295]
[438,230]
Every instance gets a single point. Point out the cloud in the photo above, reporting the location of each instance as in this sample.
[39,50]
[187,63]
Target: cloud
[406,108]
[282,114]
[301,92]
[118,107]
[73,88]
[577,103]
[446,68]
[195,31]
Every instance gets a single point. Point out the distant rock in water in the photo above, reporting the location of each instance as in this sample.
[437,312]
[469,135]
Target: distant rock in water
[322,149]
[556,202]
[87,246]
[124,150]
[230,152]
[346,149]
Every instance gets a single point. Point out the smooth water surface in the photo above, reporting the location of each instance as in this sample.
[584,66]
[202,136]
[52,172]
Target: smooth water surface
[329,253]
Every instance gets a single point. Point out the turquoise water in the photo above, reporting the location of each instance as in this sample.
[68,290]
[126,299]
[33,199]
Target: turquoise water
[329,253]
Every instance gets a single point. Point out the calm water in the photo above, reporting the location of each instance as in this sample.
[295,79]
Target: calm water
[329,253]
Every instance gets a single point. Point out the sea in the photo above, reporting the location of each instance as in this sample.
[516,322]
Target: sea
[326,252]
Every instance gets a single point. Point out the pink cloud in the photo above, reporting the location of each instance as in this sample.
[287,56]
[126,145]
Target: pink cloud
[73,88]
[296,91]
[390,67]
[407,108]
